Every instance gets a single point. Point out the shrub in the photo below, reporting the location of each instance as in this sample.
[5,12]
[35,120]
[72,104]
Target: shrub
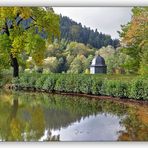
[40,81]
[69,83]
[24,81]
[32,81]
[96,86]
[114,88]
[49,83]
[77,83]
[136,88]
[72,83]
[86,84]
[145,90]
[5,79]
[16,81]
[60,84]
[139,88]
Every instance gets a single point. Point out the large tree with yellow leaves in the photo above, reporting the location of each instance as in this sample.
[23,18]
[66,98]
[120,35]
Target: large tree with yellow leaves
[134,37]
[22,30]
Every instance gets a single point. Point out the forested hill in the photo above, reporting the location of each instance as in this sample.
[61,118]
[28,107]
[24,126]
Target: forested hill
[73,31]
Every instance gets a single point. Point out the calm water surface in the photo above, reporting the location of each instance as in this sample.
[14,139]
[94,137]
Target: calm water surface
[42,117]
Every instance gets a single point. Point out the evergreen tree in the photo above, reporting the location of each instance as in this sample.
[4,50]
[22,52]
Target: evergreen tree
[73,31]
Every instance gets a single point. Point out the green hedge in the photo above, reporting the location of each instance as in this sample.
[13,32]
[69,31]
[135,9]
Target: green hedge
[5,79]
[136,88]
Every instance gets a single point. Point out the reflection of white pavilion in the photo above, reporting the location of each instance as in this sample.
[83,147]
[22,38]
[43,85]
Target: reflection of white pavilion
[98,65]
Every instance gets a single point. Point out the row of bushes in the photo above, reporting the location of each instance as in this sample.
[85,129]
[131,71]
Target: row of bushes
[5,79]
[136,88]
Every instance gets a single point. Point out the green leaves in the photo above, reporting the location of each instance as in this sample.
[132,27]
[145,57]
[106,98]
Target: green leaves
[47,21]
[17,45]
[35,46]
[134,36]
[19,40]
[115,86]
[139,88]
[5,43]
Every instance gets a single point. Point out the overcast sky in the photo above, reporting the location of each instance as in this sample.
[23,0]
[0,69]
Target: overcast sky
[106,19]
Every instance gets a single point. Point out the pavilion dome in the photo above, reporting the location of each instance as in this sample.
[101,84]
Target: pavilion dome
[98,61]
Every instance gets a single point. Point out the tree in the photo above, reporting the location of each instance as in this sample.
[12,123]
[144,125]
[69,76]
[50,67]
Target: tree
[51,63]
[26,29]
[73,31]
[105,51]
[75,48]
[134,37]
[77,65]
[116,61]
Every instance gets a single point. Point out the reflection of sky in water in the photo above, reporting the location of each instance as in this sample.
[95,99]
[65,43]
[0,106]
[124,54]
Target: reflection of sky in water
[99,127]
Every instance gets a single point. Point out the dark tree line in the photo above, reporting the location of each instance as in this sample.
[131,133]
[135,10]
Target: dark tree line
[73,31]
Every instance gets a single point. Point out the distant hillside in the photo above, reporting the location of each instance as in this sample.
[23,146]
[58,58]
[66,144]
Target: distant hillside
[73,31]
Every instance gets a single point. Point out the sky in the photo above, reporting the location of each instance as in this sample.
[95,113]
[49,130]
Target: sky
[107,20]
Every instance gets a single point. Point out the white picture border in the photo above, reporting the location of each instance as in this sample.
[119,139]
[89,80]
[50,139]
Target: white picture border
[74,3]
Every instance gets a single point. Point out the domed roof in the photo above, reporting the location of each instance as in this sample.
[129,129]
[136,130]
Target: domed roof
[98,61]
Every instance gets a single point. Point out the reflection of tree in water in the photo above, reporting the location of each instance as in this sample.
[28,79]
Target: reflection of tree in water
[14,128]
[10,125]
[136,129]
[5,110]
[31,115]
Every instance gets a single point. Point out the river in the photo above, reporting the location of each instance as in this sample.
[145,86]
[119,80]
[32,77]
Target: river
[26,116]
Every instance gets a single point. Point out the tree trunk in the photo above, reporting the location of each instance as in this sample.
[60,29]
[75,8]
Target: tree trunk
[14,64]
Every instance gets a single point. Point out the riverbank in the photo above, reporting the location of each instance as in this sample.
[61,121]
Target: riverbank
[125,101]
[135,88]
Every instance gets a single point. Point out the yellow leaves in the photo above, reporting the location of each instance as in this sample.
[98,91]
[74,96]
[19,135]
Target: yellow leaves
[6,12]
[27,39]
[14,52]
[36,46]
[25,12]
[17,42]
[11,12]
[131,33]
[137,29]
[47,20]
[16,10]
[144,42]
[38,58]
[17,45]
[15,127]
[37,122]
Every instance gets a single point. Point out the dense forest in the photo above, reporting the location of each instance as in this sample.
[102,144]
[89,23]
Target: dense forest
[73,31]
[73,50]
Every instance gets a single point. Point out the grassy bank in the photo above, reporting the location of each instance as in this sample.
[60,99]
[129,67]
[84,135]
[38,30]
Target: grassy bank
[135,87]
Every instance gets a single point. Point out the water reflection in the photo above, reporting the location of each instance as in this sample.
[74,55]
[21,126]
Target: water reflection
[91,129]
[42,117]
